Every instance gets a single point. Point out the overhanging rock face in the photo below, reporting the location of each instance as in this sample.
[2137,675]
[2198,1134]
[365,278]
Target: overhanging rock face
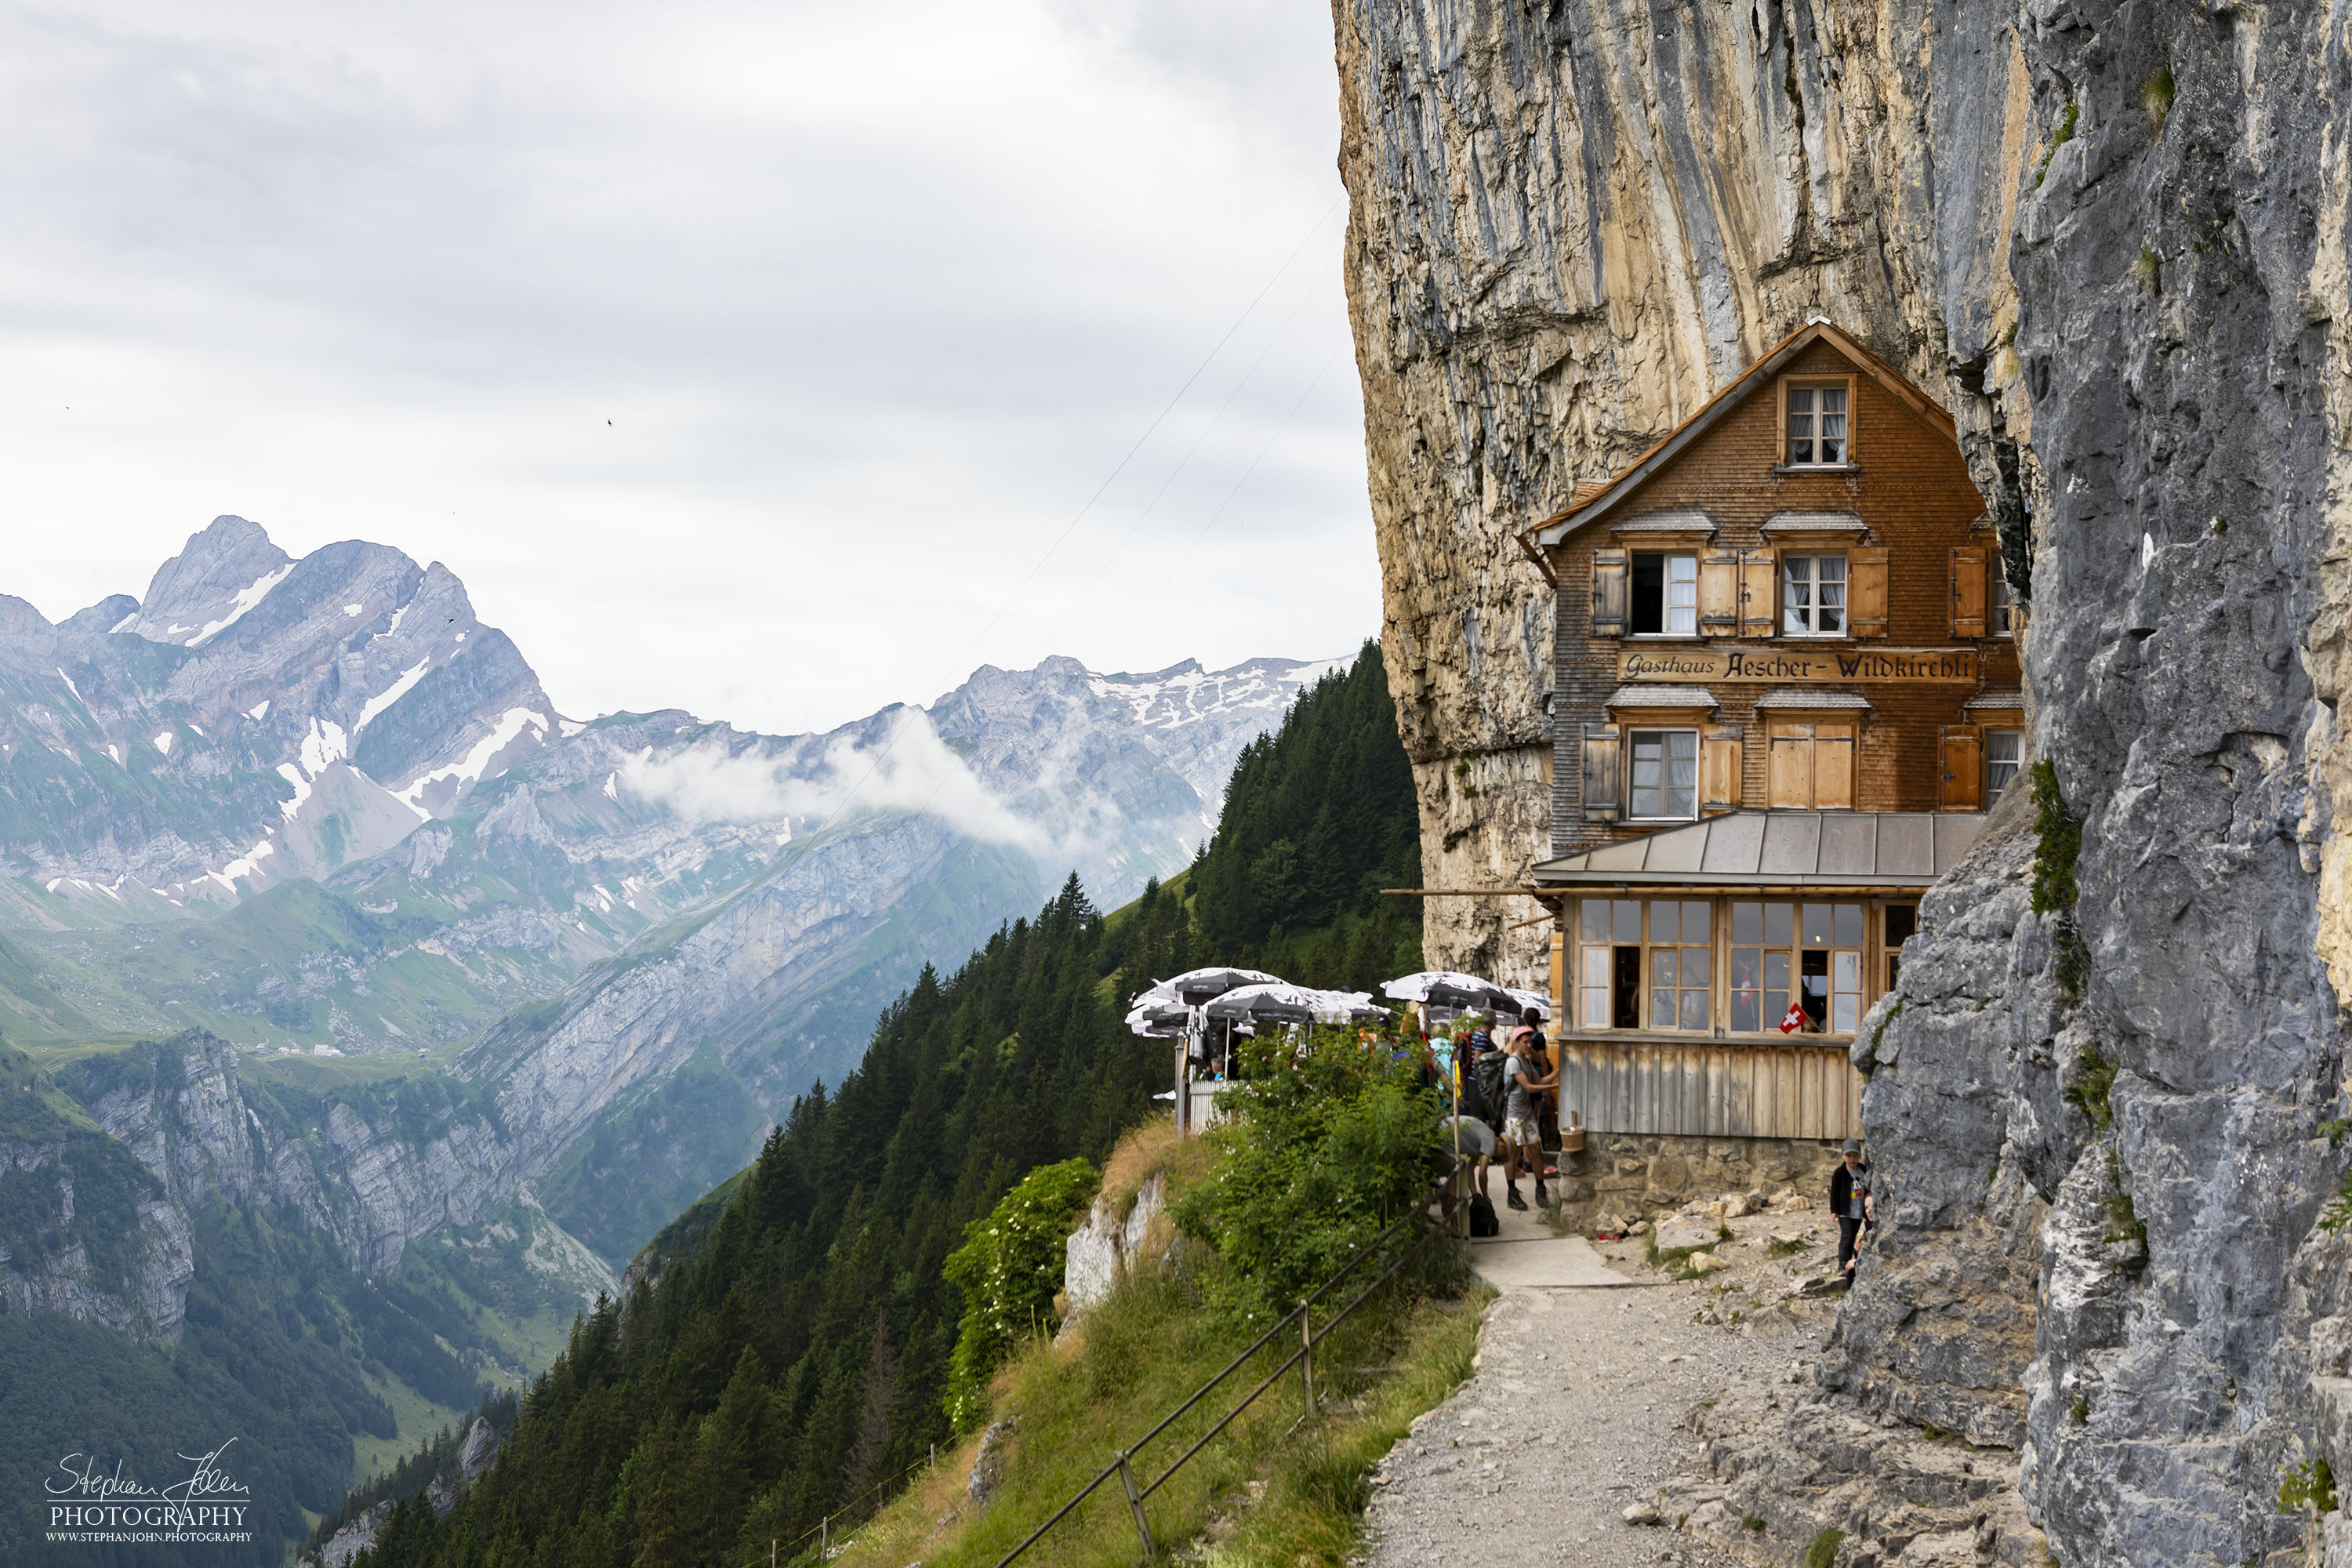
[2113,238]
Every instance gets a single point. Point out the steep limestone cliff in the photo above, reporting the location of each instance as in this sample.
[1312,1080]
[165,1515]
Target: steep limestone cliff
[2113,238]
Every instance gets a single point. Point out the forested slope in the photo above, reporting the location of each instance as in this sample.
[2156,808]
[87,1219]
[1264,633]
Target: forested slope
[794,1350]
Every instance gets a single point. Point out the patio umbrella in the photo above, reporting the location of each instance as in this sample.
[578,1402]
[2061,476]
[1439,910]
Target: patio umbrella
[1353,1007]
[1196,986]
[1176,1008]
[1536,999]
[1158,1020]
[1447,988]
[1276,1002]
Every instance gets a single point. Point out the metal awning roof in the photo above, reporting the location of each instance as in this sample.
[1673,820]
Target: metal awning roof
[1662,697]
[1779,848]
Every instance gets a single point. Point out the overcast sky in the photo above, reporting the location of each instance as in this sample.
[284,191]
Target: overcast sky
[747,359]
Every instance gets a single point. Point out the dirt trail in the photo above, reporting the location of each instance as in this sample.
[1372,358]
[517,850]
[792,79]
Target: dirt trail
[1577,1411]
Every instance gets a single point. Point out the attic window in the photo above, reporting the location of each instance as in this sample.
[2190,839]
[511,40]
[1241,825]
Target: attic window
[1817,429]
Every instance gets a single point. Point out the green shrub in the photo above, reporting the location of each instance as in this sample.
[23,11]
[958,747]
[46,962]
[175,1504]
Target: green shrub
[1008,1269]
[2094,1081]
[2124,1224]
[1822,1552]
[1327,1147]
[2338,1212]
[2058,843]
[2309,1482]
[2058,840]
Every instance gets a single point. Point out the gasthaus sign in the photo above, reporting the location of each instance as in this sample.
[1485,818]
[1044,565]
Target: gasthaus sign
[1889,667]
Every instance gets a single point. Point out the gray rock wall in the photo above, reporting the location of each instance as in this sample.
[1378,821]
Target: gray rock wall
[2112,236]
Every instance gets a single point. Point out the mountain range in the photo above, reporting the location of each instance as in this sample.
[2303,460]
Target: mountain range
[311,903]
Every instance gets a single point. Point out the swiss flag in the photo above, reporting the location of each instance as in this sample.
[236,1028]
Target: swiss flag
[1794,1019]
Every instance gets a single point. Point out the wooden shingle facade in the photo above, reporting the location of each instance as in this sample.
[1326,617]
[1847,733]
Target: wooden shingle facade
[1785,687]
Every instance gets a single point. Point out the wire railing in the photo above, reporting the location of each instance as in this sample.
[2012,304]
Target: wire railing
[782,1551]
[1122,1462]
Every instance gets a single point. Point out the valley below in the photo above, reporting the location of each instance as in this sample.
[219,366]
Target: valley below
[363,1016]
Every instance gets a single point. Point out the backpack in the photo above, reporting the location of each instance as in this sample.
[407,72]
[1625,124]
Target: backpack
[1486,1073]
[1474,1104]
[1481,1216]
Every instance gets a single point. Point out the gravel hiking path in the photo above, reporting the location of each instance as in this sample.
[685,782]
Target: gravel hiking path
[1576,1411]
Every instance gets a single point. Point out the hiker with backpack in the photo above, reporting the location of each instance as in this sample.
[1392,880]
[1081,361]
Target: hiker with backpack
[1478,1109]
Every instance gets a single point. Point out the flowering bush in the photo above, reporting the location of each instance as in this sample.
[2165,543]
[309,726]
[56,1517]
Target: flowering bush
[1009,1267]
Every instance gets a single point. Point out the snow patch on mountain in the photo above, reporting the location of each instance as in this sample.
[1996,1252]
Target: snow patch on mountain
[250,595]
[471,768]
[395,691]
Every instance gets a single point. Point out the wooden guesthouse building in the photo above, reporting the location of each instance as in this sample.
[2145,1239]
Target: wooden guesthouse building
[1786,688]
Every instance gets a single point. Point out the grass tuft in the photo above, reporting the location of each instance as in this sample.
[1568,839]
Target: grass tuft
[2155,97]
[1822,1552]
[2058,138]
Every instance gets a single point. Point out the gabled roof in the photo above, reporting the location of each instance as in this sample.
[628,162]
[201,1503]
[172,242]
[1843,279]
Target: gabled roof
[1594,500]
[1779,848]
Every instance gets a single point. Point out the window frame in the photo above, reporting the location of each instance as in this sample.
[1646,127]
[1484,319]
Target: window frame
[1858,967]
[2000,609]
[1788,559]
[2016,764]
[1634,734]
[1597,953]
[1666,584]
[1784,461]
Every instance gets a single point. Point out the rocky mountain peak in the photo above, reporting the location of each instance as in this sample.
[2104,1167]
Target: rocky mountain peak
[226,569]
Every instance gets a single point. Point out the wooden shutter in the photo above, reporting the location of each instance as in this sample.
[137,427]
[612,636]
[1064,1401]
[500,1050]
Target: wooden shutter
[1718,594]
[1609,593]
[1968,591]
[1792,767]
[1760,593]
[1866,593]
[1719,752]
[1963,758]
[1832,769]
[1604,774]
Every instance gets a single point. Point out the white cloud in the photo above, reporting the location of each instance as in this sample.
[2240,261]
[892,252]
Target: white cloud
[907,768]
[872,299]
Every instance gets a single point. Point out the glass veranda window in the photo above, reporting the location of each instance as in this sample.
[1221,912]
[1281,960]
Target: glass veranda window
[1665,773]
[1644,964]
[1682,971]
[1804,956]
[1816,426]
[1813,600]
[1665,595]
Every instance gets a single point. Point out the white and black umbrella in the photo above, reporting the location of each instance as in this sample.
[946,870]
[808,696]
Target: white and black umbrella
[1448,988]
[1280,1002]
[1195,987]
[1535,999]
[1159,1020]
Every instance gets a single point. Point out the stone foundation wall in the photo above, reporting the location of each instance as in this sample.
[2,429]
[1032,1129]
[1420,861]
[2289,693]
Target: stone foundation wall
[1638,1173]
